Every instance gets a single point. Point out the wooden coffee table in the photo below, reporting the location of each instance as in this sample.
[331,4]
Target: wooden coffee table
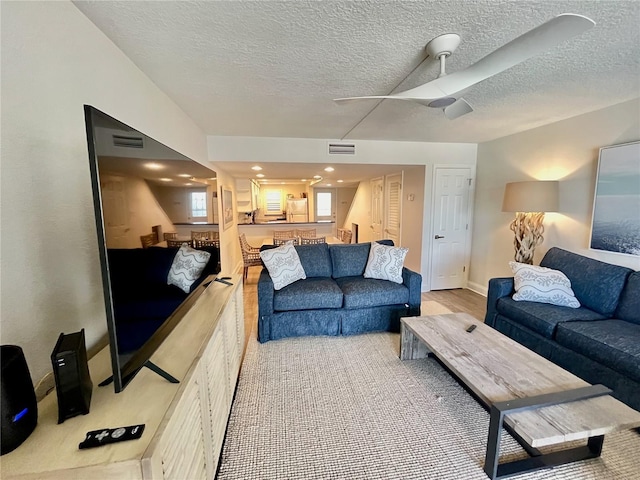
[538,402]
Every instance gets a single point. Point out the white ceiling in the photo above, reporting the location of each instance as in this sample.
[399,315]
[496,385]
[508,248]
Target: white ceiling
[272,68]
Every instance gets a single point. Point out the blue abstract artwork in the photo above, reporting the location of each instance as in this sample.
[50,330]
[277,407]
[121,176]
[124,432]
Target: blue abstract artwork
[616,211]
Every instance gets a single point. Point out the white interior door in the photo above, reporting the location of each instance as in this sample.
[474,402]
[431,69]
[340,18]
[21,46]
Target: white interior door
[114,211]
[450,227]
[325,204]
[393,207]
[377,205]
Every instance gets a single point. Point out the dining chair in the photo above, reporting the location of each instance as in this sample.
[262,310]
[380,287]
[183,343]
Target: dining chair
[283,234]
[148,240]
[206,243]
[200,235]
[250,255]
[172,242]
[313,241]
[281,241]
[170,235]
[306,233]
[346,238]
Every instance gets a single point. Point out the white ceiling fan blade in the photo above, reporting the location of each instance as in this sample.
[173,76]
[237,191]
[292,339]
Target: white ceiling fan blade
[534,42]
[457,109]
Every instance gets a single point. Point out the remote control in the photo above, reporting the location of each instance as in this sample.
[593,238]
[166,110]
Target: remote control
[471,328]
[97,438]
[222,280]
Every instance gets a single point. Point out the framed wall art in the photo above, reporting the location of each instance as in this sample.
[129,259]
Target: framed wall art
[227,207]
[615,225]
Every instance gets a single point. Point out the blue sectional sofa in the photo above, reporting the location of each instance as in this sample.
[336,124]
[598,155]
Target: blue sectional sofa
[599,342]
[335,298]
[142,300]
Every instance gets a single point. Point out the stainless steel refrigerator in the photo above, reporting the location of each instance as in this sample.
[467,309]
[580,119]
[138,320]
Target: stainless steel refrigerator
[297,210]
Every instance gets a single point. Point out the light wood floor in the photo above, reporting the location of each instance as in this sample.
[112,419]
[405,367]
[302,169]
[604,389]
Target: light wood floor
[457,300]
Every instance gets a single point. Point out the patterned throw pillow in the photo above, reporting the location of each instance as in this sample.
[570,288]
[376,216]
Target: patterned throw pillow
[542,285]
[283,264]
[385,262]
[187,267]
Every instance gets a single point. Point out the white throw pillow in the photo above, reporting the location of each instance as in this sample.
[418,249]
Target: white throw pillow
[385,262]
[283,264]
[543,285]
[187,267]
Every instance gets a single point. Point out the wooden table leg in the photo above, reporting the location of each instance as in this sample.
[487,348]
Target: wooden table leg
[411,348]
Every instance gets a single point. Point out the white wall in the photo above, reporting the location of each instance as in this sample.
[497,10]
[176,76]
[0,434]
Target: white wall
[312,150]
[565,151]
[54,60]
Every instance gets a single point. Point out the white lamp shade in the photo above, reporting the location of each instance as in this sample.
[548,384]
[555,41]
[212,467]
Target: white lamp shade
[533,196]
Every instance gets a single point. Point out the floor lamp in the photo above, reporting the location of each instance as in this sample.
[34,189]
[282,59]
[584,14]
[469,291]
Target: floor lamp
[530,201]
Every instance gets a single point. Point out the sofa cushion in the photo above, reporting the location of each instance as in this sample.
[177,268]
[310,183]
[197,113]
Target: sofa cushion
[614,343]
[385,262]
[188,264]
[542,285]
[309,294]
[283,264]
[360,292]
[597,285]
[629,306]
[315,260]
[350,260]
[543,317]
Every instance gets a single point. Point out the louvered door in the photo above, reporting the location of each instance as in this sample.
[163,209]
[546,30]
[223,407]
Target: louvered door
[393,207]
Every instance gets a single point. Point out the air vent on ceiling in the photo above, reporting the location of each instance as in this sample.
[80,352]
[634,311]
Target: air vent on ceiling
[342,149]
[131,142]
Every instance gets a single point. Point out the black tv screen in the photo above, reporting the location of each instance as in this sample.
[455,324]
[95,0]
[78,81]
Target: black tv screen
[132,177]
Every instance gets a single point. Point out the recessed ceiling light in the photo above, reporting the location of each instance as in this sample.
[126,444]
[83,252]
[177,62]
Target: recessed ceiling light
[303,179]
[153,166]
[317,176]
[340,181]
[260,175]
[282,183]
[329,169]
[184,175]
[165,180]
[188,184]
[213,178]
[257,168]
[328,184]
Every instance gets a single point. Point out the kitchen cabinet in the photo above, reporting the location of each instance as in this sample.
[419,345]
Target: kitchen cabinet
[247,195]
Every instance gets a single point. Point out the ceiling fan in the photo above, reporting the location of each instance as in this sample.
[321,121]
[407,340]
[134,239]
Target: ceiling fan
[444,92]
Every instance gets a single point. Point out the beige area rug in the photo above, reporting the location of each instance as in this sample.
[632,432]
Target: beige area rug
[348,408]
[431,307]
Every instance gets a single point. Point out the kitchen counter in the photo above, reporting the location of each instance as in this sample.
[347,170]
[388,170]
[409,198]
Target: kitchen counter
[257,232]
[284,222]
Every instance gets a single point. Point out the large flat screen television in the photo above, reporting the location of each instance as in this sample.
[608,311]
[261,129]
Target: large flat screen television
[130,176]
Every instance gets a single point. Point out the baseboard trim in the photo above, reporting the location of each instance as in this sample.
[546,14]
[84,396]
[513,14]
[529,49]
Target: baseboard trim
[477,288]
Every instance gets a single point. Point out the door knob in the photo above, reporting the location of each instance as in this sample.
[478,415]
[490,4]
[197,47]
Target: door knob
[439,236]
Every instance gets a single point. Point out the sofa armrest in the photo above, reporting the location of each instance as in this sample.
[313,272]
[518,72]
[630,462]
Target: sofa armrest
[265,294]
[413,281]
[498,288]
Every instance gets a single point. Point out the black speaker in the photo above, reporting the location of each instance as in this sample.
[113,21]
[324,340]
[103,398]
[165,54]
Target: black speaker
[71,371]
[19,407]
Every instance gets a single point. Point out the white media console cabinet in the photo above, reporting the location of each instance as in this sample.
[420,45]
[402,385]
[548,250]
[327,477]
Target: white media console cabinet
[185,422]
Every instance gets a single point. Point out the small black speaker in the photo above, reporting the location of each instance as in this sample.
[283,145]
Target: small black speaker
[19,407]
[71,371]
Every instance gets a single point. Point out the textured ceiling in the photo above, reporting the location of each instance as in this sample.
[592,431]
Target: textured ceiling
[271,68]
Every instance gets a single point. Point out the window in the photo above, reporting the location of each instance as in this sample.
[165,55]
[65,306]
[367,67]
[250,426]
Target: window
[273,200]
[198,204]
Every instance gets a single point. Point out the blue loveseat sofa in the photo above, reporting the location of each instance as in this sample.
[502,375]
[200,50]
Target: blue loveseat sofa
[599,342]
[335,298]
[141,298]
